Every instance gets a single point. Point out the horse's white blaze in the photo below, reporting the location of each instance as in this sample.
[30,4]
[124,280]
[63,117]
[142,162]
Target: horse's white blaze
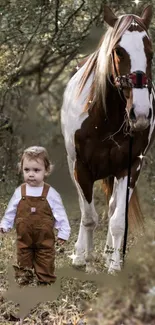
[72,114]
[117,221]
[133,43]
[141,101]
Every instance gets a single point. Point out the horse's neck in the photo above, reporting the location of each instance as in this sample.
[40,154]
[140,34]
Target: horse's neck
[114,98]
[114,113]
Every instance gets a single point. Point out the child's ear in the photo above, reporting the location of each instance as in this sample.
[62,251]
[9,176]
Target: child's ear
[46,173]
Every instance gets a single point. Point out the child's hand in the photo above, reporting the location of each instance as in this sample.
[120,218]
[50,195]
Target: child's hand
[60,241]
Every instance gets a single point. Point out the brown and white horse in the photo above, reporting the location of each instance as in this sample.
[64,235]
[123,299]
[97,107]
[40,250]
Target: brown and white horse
[110,96]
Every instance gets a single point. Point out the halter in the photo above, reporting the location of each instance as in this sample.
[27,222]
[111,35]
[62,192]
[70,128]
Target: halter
[136,79]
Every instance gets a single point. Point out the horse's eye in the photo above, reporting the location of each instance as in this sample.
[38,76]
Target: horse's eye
[119,53]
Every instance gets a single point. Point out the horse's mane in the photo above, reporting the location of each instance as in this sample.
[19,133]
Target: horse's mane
[99,61]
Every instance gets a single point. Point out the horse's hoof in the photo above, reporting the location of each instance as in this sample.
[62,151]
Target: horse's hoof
[78,261]
[106,264]
[114,269]
[107,260]
[91,269]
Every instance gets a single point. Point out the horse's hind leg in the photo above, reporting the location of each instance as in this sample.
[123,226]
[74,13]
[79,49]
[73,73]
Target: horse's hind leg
[89,218]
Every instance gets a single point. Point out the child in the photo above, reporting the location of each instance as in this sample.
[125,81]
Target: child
[36,208]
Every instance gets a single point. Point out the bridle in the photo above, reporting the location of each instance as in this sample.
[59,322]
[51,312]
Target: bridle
[136,79]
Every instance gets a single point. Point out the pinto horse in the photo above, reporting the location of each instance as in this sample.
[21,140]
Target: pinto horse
[110,97]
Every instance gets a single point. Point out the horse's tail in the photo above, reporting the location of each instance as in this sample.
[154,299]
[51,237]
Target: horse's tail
[135,215]
[136,218]
[107,186]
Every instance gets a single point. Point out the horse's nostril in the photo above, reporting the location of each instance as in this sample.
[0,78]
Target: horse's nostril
[132,115]
[150,114]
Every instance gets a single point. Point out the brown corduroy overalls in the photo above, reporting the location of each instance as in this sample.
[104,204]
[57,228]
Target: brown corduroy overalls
[35,235]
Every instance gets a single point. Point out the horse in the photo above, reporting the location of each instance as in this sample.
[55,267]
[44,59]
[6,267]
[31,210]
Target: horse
[109,99]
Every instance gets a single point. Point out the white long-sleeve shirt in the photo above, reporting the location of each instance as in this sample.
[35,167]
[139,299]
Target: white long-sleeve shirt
[55,202]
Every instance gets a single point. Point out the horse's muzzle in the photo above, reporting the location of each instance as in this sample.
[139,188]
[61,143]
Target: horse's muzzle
[140,125]
[141,122]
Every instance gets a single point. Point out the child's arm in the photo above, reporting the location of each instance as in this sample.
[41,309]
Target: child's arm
[7,221]
[62,223]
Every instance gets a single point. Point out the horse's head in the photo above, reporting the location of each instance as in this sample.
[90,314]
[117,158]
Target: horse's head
[131,63]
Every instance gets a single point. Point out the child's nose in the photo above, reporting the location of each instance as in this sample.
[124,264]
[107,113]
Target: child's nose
[31,173]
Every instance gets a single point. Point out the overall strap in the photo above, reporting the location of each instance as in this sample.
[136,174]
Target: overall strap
[45,190]
[23,190]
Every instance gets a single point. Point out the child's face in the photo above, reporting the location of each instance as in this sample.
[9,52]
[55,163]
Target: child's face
[34,171]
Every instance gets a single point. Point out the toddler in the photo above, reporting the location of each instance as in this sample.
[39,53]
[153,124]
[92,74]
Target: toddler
[36,208]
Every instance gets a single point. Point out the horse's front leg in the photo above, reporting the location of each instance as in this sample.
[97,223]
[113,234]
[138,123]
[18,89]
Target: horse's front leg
[89,218]
[117,222]
[112,207]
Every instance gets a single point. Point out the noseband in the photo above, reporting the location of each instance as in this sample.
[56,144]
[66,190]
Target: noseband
[136,79]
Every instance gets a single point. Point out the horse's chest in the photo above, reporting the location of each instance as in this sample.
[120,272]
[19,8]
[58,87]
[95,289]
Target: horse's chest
[106,154]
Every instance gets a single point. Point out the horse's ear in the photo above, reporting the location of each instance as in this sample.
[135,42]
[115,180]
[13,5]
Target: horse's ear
[109,16]
[147,15]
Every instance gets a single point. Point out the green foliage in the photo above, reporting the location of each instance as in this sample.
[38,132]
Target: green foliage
[42,37]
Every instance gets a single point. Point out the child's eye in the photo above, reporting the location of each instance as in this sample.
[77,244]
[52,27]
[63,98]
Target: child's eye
[26,169]
[36,170]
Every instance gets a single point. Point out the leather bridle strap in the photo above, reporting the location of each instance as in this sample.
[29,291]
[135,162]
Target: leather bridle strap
[136,79]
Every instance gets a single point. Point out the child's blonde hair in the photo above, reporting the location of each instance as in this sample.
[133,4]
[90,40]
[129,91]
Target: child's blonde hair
[36,152]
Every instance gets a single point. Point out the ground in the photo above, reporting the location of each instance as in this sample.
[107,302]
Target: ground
[126,299]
